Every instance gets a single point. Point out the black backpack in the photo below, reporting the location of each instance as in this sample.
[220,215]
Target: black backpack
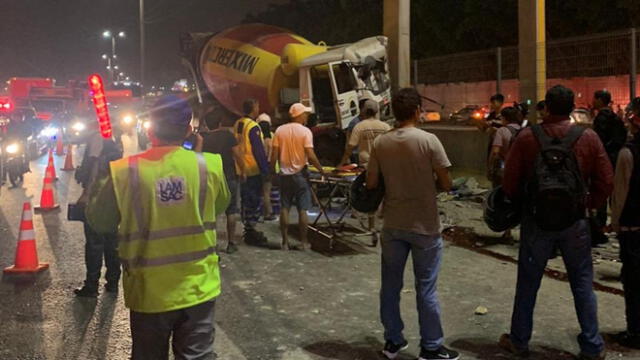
[556,192]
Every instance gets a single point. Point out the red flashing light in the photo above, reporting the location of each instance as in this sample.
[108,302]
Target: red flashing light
[6,106]
[100,104]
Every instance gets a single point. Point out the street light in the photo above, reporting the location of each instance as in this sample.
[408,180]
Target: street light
[104,56]
[107,34]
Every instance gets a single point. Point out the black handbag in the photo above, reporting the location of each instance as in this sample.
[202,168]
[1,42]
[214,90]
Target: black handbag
[75,212]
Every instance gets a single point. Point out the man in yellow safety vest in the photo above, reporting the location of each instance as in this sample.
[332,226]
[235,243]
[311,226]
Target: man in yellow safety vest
[163,203]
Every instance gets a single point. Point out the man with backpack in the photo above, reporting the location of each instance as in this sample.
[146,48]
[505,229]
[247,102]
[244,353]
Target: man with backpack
[557,171]
[625,220]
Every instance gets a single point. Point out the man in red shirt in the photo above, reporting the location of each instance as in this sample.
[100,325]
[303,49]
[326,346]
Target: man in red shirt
[537,245]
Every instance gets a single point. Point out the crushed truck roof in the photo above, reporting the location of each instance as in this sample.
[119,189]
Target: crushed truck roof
[357,53]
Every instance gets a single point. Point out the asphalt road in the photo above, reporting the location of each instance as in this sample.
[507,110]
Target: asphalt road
[275,305]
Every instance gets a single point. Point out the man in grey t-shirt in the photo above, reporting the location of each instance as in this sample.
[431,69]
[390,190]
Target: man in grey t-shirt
[409,160]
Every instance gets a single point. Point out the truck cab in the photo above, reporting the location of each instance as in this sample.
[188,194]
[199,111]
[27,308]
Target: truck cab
[334,83]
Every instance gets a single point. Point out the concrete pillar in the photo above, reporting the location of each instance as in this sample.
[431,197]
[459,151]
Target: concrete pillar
[397,27]
[633,69]
[499,70]
[532,50]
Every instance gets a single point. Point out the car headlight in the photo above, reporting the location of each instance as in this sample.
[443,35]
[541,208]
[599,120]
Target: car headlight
[78,127]
[12,148]
[49,131]
[127,119]
[146,124]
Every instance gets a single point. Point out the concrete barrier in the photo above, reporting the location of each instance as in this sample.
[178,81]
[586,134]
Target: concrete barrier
[466,147]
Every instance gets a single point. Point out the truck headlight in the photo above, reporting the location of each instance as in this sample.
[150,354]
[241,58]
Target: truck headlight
[127,119]
[12,148]
[78,127]
[146,124]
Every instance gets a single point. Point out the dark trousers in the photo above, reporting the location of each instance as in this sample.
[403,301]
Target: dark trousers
[191,331]
[536,247]
[251,193]
[96,247]
[630,256]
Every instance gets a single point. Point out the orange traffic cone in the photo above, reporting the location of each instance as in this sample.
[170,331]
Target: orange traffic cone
[59,145]
[68,161]
[26,254]
[47,199]
[51,168]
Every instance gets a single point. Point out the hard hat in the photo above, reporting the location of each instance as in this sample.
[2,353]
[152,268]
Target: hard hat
[500,213]
[363,199]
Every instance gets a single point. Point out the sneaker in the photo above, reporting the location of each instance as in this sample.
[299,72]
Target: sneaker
[392,350]
[86,292]
[506,344]
[585,356]
[231,248]
[440,354]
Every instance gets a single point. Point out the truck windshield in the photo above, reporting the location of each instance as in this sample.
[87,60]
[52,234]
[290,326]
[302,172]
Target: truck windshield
[375,77]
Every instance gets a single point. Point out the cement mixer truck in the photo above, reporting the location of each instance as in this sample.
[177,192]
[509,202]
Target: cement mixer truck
[279,68]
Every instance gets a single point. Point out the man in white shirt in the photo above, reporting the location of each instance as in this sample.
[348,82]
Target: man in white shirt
[293,147]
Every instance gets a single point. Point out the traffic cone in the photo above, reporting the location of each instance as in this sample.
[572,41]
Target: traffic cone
[47,199]
[59,145]
[26,254]
[68,161]
[51,167]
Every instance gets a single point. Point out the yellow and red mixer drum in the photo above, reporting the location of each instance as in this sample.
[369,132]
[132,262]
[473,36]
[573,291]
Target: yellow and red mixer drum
[253,61]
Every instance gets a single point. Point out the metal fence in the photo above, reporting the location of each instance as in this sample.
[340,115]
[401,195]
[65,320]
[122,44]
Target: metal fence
[607,54]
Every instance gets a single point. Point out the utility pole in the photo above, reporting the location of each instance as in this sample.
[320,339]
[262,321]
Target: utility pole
[142,80]
[397,27]
[532,50]
[634,64]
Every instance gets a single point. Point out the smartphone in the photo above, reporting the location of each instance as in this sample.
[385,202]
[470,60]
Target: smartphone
[190,142]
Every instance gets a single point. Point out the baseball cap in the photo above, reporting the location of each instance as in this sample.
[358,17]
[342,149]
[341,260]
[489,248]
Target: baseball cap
[298,109]
[171,110]
[264,117]
[370,105]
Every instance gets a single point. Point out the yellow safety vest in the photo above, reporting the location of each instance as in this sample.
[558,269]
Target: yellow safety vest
[241,129]
[168,199]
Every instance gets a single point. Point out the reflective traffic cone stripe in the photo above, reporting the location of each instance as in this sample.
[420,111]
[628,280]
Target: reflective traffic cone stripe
[47,198]
[68,161]
[51,167]
[26,260]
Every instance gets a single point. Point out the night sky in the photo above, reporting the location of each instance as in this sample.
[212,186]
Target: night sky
[63,38]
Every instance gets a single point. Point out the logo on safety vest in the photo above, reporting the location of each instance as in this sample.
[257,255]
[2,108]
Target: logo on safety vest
[171,190]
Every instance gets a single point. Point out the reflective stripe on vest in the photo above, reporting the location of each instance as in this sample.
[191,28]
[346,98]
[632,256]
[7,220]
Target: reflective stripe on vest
[140,262]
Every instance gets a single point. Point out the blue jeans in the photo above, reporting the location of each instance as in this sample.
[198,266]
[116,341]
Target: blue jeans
[251,198]
[426,252]
[536,247]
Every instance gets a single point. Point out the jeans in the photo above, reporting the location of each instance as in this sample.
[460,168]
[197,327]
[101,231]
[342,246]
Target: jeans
[630,256]
[96,247]
[191,331]
[251,193]
[536,247]
[426,252]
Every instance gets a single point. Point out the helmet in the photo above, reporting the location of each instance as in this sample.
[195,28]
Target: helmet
[500,213]
[363,199]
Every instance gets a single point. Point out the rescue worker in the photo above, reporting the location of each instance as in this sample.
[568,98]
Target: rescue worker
[164,204]
[362,138]
[256,169]
[625,221]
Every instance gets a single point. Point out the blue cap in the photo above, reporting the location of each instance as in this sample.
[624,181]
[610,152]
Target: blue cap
[171,110]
